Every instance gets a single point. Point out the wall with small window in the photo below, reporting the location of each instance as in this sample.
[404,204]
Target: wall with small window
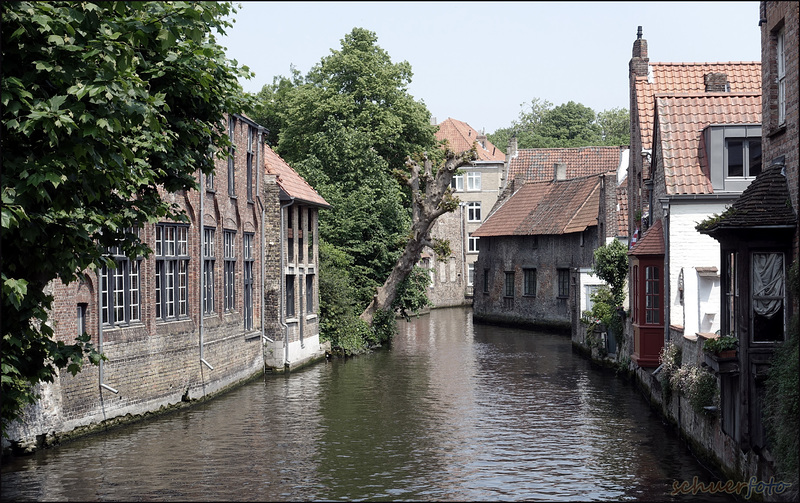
[529,280]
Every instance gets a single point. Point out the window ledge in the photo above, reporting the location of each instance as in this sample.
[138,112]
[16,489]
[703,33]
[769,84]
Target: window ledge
[293,321]
[776,131]
[211,191]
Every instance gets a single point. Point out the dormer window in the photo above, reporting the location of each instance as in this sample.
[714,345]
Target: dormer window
[733,153]
[742,157]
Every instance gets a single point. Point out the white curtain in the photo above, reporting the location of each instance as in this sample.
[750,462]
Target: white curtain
[767,283]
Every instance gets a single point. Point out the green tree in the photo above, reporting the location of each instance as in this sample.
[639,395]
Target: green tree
[347,127]
[615,126]
[569,125]
[540,125]
[610,265]
[103,104]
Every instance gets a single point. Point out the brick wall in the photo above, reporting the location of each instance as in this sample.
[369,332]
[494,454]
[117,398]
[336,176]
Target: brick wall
[781,139]
[154,363]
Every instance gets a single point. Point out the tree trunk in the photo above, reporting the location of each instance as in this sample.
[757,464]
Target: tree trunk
[428,204]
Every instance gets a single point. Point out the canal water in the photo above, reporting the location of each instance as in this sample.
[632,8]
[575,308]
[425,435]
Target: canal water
[451,412]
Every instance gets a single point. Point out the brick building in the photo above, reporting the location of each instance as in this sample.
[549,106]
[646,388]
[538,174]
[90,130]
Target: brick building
[477,187]
[538,241]
[201,313]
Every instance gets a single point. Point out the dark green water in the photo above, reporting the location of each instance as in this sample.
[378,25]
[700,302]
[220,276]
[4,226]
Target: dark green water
[452,412]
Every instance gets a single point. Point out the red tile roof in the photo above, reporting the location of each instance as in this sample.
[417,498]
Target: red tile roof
[652,243]
[681,120]
[537,164]
[551,207]
[683,78]
[290,181]
[461,137]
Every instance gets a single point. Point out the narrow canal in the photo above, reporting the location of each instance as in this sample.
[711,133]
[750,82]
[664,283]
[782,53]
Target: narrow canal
[452,412]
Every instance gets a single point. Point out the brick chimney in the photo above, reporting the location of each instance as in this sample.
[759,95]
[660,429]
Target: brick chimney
[560,169]
[639,62]
[717,82]
[481,139]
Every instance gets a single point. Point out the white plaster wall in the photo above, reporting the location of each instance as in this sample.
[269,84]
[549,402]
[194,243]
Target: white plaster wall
[688,249]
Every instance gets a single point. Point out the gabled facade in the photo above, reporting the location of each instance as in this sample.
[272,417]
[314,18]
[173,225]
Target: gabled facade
[477,187]
[539,238]
[696,145]
[292,289]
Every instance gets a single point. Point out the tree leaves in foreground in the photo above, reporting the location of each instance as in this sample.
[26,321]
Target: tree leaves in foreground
[103,104]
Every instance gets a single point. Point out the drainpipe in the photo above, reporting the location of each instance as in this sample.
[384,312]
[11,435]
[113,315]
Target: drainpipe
[282,312]
[263,237]
[202,266]
[100,331]
[667,301]
[464,245]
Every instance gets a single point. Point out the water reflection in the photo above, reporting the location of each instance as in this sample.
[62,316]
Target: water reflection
[452,412]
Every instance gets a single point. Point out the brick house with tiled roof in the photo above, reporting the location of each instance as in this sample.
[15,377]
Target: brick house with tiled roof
[477,187]
[293,268]
[758,238]
[695,142]
[535,245]
[201,313]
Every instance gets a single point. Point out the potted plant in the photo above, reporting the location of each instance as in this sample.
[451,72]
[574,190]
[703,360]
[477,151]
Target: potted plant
[723,347]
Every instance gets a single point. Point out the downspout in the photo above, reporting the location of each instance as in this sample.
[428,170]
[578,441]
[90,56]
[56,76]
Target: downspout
[100,332]
[263,236]
[200,221]
[667,299]
[464,245]
[282,293]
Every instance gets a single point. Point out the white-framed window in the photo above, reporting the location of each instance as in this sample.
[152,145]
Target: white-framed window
[472,244]
[781,75]
[208,271]
[247,255]
[470,274]
[120,289]
[473,180]
[229,272]
[172,265]
[457,183]
[474,211]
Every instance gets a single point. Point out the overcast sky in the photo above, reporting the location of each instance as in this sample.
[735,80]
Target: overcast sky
[479,61]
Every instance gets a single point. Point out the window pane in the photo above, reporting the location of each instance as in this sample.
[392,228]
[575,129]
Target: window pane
[735,158]
[754,158]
